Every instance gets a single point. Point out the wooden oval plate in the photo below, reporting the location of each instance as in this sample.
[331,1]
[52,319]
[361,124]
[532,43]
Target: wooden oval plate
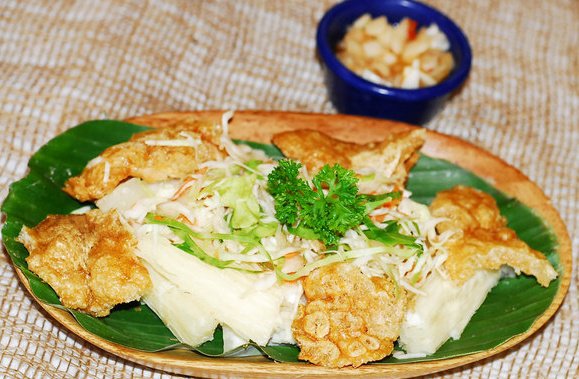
[259,126]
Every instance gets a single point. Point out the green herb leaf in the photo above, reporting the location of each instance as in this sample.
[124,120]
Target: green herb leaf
[288,190]
[372,202]
[324,212]
[391,236]
[189,245]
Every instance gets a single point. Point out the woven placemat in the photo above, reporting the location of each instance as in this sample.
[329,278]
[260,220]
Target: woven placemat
[64,62]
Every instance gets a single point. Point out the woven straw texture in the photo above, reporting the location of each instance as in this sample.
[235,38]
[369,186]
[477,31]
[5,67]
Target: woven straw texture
[63,62]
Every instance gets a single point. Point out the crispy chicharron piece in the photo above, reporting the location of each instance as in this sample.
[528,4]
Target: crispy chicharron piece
[349,319]
[481,238]
[87,259]
[392,157]
[155,155]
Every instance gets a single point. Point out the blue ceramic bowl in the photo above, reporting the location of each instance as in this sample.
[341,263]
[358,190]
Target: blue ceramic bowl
[352,94]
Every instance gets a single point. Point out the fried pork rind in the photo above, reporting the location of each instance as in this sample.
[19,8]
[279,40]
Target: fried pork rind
[481,238]
[159,154]
[349,319]
[392,158]
[87,259]
[315,149]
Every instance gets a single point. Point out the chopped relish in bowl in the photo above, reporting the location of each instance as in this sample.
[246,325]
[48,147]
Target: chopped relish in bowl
[400,55]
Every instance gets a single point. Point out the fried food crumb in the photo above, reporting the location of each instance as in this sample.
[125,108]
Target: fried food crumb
[349,319]
[482,239]
[154,155]
[87,259]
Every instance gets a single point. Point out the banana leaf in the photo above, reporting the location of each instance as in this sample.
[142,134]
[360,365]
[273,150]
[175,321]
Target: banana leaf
[510,308]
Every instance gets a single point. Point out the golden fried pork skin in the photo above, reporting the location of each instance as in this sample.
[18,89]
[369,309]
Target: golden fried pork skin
[155,155]
[87,259]
[349,319]
[482,240]
[315,149]
[393,157]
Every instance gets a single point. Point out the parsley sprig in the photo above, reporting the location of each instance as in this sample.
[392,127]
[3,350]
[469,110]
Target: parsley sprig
[324,212]
[331,205]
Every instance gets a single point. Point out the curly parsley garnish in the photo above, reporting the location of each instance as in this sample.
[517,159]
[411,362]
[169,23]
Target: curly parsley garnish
[324,212]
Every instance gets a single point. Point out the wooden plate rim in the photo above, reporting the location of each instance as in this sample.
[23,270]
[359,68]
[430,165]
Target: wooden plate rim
[438,145]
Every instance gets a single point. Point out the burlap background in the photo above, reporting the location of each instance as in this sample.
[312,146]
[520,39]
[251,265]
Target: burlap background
[62,62]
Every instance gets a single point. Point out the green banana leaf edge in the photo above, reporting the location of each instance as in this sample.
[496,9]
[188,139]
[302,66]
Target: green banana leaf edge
[509,310]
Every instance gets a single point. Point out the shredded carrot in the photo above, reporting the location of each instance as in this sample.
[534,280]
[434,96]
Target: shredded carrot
[412,29]
[379,218]
[184,219]
[292,254]
[184,187]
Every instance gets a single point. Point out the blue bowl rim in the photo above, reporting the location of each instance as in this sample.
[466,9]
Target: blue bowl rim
[448,85]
